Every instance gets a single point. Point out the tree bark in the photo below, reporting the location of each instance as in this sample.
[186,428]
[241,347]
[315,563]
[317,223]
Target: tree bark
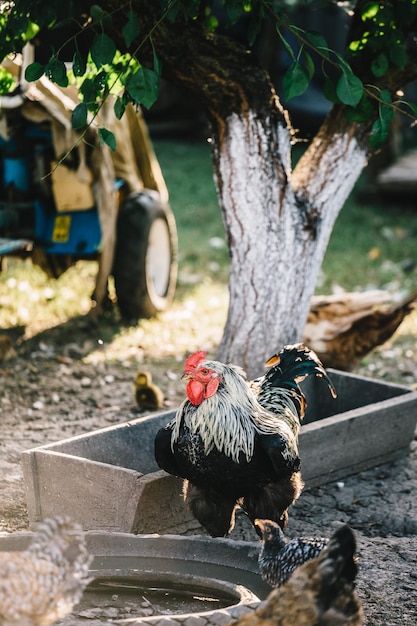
[278,224]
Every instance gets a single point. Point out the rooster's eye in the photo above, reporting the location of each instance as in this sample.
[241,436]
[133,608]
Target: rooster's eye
[205,371]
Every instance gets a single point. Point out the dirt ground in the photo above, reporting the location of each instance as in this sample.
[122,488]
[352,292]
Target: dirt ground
[50,391]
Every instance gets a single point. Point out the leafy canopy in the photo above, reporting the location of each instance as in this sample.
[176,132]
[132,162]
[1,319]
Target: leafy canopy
[378,48]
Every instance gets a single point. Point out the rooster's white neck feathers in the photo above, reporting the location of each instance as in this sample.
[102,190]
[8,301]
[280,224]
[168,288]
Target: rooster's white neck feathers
[229,420]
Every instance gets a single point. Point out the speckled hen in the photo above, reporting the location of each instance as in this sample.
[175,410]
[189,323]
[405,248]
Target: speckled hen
[321,592]
[42,584]
[279,556]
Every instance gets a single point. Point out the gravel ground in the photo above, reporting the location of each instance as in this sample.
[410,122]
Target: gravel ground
[51,391]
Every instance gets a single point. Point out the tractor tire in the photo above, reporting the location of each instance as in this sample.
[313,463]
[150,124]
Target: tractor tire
[145,261]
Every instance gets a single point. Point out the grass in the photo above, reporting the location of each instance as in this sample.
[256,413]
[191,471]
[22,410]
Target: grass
[188,173]
[371,247]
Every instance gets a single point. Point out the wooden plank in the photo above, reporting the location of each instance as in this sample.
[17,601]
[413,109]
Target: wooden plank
[95,494]
[103,496]
[341,444]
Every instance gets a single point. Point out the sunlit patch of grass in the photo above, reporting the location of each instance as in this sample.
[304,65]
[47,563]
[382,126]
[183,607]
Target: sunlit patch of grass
[188,172]
[372,246]
[29,298]
[192,323]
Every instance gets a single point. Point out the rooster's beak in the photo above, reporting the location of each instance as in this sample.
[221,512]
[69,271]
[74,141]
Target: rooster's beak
[186,377]
[274,360]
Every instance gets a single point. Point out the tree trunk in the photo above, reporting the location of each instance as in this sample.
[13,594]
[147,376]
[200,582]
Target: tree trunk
[278,224]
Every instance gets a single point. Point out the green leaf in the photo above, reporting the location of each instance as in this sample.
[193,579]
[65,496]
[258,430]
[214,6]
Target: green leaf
[295,81]
[135,86]
[102,50]
[172,11]
[411,106]
[31,31]
[119,108]
[57,72]
[379,133]
[47,17]
[385,95]
[380,65]
[308,64]
[78,64]
[34,71]
[349,87]
[397,55]
[89,92]
[100,80]
[151,80]
[285,42]
[143,86]
[97,13]
[361,113]
[234,11]
[386,112]
[329,91]
[107,137]
[318,42]
[79,116]
[131,29]
[156,64]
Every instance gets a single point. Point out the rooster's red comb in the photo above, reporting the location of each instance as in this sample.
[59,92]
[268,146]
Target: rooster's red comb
[193,360]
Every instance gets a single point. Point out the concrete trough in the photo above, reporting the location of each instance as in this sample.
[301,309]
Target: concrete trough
[127,568]
[108,479]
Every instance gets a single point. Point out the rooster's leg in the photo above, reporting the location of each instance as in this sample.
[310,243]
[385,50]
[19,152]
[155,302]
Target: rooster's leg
[215,512]
[272,501]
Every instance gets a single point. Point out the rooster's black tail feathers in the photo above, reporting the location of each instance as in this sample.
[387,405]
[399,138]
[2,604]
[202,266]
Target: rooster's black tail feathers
[292,365]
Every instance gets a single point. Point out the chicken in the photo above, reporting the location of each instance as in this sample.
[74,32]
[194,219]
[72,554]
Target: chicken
[234,442]
[7,350]
[321,592]
[279,556]
[344,328]
[44,583]
[148,396]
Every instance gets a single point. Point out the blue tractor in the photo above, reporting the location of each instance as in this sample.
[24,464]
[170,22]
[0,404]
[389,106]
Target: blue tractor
[64,196]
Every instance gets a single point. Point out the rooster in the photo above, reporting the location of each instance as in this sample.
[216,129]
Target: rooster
[42,584]
[321,592]
[234,442]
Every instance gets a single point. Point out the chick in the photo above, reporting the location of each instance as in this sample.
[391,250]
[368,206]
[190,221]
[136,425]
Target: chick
[43,584]
[279,557]
[148,396]
[7,350]
[321,592]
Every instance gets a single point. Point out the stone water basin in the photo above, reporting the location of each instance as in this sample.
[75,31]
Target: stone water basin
[157,580]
